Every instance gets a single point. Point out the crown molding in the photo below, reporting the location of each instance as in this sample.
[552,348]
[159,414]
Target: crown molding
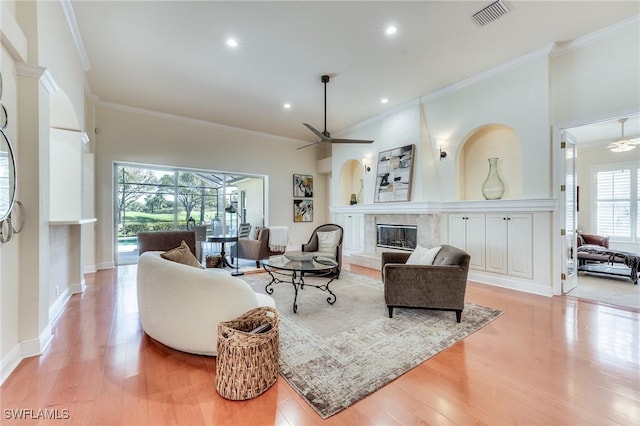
[49,82]
[611,30]
[188,120]
[37,72]
[70,16]
[26,69]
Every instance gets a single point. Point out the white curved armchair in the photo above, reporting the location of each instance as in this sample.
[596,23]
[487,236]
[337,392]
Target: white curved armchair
[181,306]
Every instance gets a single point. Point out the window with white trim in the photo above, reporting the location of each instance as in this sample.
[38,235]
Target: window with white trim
[617,201]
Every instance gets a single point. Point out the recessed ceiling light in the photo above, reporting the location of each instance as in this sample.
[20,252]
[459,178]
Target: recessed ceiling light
[384,100]
[232,42]
[287,106]
[391,30]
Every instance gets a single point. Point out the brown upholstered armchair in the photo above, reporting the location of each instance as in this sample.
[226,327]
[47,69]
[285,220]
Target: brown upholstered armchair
[165,240]
[319,247]
[257,249]
[441,285]
[596,240]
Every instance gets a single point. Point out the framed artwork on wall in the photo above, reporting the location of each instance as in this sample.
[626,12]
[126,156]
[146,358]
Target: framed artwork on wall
[303,210]
[303,186]
[393,176]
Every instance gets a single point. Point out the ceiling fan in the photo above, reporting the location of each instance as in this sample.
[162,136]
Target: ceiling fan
[325,136]
[623,144]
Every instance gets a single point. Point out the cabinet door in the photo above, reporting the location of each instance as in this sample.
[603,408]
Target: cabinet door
[475,230]
[520,256]
[356,223]
[497,243]
[458,231]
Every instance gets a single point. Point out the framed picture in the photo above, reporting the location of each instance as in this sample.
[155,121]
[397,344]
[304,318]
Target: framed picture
[393,176]
[303,186]
[303,210]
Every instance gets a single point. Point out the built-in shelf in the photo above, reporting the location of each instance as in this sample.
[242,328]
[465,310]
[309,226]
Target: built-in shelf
[73,221]
[525,205]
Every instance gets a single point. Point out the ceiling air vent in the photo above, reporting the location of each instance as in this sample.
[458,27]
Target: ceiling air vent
[490,13]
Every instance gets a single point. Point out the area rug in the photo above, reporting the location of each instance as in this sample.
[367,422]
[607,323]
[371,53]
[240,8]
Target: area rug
[335,355]
[613,290]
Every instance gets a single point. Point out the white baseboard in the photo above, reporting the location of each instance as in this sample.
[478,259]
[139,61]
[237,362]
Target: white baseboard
[58,305]
[90,269]
[33,347]
[105,265]
[24,349]
[78,287]
[9,363]
[512,283]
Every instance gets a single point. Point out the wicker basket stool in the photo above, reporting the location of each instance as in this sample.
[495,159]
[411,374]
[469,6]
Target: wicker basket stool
[213,261]
[247,364]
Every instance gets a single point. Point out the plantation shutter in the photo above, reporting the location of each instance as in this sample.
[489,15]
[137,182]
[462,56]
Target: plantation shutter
[613,203]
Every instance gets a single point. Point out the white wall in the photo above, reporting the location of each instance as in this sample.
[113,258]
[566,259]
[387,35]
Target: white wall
[597,79]
[400,128]
[38,64]
[9,252]
[140,137]
[517,98]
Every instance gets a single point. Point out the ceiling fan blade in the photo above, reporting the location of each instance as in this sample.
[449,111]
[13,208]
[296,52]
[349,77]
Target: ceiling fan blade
[319,134]
[311,144]
[334,140]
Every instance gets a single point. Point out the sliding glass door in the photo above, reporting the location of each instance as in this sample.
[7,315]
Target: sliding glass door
[156,198]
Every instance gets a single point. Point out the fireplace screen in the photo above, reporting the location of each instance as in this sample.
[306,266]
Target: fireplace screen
[401,237]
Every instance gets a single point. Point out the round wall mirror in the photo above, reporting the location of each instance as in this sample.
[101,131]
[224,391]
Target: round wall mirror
[7,176]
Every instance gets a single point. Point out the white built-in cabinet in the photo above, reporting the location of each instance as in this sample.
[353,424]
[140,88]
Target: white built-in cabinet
[467,232]
[352,238]
[509,250]
[497,243]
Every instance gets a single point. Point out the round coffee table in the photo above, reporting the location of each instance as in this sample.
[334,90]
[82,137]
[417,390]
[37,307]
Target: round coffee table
[295,270]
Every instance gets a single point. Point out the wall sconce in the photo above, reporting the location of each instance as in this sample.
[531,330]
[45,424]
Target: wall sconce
[365,164]
[443,154]
[441,144]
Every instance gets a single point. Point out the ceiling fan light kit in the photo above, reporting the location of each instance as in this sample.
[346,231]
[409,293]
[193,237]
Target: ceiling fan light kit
[623,144]
[325,136]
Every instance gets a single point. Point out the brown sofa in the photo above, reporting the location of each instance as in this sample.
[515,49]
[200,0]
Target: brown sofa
[165,240]
[250,249]
[441,285]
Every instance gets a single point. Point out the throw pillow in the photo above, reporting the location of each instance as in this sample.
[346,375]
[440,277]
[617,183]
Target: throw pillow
[423,256]
[328,241]
[182,254]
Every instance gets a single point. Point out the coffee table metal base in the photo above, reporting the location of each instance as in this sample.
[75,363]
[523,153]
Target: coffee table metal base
[297,280]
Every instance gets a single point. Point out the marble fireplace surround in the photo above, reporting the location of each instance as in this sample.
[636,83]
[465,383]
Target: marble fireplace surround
[427,223]
[428,235]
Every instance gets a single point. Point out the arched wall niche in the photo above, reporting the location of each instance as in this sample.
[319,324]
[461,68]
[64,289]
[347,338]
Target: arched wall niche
[488,141]
[351,175]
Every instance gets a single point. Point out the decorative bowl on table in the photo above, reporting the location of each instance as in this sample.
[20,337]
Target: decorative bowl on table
[299,256]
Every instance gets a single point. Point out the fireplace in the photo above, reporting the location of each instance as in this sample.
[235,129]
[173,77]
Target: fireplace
[401,237]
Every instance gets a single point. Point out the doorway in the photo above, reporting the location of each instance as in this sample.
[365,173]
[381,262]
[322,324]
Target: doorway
[606,202]
[158,198]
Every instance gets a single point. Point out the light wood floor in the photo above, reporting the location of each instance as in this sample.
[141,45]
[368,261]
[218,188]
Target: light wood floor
[546,361]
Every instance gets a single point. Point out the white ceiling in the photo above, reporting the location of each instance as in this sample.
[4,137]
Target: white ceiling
[604,132]
[171,56]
